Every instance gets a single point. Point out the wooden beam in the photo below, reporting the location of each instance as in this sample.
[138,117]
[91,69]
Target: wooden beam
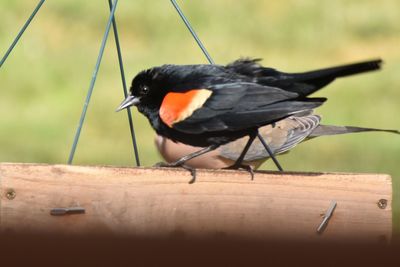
[161,202]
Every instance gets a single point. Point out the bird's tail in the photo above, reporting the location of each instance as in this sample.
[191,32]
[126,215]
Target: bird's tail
[341,71]
[323,130]
[319,78]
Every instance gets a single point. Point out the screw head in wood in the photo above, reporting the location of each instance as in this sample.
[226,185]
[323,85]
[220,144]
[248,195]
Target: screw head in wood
[10,194]
[382,203]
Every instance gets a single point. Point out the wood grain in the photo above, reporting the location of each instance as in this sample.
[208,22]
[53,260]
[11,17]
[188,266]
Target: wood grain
[160,202]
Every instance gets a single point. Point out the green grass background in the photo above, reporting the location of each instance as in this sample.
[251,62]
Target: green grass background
[44,82]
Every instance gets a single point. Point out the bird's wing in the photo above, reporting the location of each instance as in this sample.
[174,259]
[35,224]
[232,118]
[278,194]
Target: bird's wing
[303,126]
[230,107]
[281,137]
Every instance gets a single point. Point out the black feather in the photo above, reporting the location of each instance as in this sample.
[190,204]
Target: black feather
[237,119]
[304,83]
[323,130]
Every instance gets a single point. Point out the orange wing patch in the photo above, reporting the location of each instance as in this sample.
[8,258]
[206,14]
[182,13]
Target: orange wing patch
[178,106]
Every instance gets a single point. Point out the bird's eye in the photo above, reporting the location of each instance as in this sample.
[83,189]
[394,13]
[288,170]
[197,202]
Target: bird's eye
[145,90]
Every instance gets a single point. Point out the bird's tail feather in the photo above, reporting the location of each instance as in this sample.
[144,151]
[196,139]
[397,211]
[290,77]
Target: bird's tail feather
[340,71]
[323,130]
[306,83]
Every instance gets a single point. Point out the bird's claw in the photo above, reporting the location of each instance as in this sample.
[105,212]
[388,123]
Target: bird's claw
[247,168]
[162,164]
[177,165]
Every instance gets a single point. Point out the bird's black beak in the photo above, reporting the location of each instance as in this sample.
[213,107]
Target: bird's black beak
[129,101]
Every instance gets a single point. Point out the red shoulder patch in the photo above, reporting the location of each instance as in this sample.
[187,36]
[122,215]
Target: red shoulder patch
[178,106]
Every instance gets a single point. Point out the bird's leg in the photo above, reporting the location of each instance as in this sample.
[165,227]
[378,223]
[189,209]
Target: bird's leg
[190,156]
[246,148]
[181,162]
[238,163]
[272,156]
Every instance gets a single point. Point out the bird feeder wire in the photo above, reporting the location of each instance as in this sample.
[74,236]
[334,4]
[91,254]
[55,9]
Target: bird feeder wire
[14,43]
[121,68]
[92,82]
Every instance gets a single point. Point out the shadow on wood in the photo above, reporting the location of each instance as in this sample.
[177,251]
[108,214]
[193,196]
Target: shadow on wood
[105,250]
[160,203]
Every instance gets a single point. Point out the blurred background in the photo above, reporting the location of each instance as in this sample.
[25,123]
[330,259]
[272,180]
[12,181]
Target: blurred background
[45,80]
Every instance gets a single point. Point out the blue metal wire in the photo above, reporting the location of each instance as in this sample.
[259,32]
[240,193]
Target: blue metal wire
[211,61]
[92,82]
[14,43]
[121,68]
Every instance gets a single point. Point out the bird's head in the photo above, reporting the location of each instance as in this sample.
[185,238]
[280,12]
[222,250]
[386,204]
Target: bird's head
[144,91]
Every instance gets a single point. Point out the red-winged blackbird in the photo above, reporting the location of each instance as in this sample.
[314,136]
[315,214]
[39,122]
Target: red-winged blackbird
[211,105]
[281,138]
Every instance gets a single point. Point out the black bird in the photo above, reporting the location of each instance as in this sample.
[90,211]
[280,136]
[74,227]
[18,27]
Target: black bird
[210,105]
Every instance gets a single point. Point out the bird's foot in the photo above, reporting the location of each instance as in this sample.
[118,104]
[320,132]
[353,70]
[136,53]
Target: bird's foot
[177,165]
[247,168]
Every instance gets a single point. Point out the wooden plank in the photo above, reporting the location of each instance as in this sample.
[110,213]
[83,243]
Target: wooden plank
[160,202]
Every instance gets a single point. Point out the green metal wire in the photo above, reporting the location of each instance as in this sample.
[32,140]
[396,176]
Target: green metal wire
[121,68]
[14,43]
[92,82]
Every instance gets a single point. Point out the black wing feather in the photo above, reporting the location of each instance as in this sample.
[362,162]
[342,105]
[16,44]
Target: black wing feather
[239,106]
